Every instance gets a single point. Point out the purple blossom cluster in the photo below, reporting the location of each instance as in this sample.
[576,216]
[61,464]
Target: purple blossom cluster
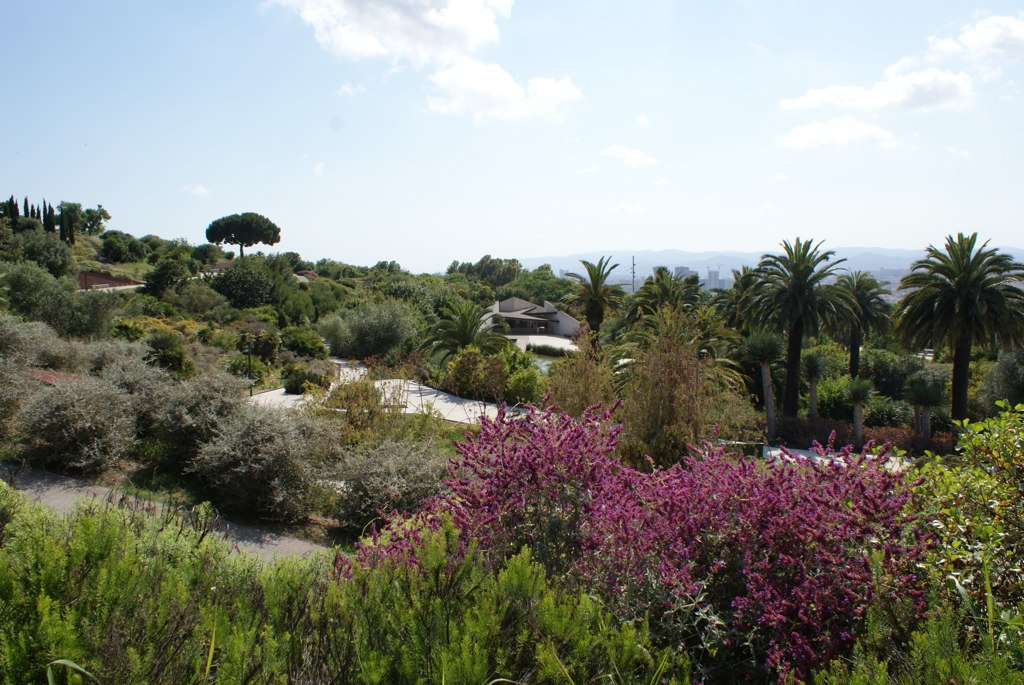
[746,565]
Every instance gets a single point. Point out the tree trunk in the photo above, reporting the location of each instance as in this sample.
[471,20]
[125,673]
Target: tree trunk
[241,250]
[926,423]
[791,394]
[855,341]
[812,400]
[961,372]
[858,426]
[769,400]
[918,425]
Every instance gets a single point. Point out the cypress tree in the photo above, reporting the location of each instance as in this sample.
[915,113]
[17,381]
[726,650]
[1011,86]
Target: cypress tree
[25,205]
[51,220]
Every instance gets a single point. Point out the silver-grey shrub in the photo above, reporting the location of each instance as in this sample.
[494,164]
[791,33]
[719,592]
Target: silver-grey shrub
[259,465]
[36,344]
[80,425]
[196,409]
[149,388]
[393,475]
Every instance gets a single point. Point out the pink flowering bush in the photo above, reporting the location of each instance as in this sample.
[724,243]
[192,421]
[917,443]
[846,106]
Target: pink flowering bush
[753,569]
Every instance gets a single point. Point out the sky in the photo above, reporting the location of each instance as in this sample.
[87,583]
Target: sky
[424,131]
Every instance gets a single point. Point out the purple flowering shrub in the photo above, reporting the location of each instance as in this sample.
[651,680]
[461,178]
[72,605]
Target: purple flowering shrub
[751,568]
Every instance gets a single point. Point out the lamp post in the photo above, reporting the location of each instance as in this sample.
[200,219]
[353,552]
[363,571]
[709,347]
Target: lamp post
[248,351]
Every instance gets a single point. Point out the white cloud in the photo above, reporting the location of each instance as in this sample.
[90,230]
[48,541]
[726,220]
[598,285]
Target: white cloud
[781,176]
[420,31]
[999,36]
[837,133]
[484,91]
[756,47]
[927,89]
[351,90]
[442,35]
[319,168]
[197,189]
[628,156]
[643,122]
[959,152]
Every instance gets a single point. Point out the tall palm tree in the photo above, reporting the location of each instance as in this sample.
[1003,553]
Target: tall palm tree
[593,293]
[764,348]
[868,311]
[962,295]
[794,296]
[463,324]
[814,368]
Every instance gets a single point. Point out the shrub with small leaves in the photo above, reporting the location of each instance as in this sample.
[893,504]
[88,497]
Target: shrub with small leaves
[394,475]
[259,464]
[80,425]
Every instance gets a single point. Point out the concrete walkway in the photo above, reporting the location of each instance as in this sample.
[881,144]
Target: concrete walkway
[524,341]
[62,494]
[412,397]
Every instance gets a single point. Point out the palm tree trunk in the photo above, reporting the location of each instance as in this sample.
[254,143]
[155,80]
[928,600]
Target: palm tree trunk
[791,394]
[926,423]
[855,341]
[812,400]
[961,371]
[769,399]
[918,420]
[858,426]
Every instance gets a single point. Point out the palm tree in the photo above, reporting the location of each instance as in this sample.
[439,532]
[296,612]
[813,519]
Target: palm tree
[962,295]
[868,312]
[924,393]
[593,293]
[859,391]
[814,368]
[794,295]
[463,324]
[764,348]
[735,303]
[663,289]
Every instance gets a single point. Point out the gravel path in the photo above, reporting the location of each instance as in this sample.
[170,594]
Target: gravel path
[61,494]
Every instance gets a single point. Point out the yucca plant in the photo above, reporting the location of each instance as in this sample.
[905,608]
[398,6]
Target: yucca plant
[764,348]
[925,393]
[859,392]
[814,367]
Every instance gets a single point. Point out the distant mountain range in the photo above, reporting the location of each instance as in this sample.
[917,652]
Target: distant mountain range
[873,259]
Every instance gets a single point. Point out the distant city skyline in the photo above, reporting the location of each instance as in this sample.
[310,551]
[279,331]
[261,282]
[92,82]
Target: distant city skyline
[447,129]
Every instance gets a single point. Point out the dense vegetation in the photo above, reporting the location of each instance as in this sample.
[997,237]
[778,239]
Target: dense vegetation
[616,533]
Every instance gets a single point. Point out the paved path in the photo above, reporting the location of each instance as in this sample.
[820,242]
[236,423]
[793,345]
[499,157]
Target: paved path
[412,397]
[61,494]
[524,341]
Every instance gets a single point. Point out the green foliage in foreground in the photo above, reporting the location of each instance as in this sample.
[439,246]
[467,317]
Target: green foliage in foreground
[136,598]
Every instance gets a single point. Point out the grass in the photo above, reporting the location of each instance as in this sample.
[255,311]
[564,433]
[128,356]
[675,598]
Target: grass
[85,256]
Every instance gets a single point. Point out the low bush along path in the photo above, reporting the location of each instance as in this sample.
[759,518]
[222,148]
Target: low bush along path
[62,493]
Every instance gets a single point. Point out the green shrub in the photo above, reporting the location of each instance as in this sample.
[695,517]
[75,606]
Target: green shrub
[377,328]
[253,368]
[888,371]
[524,385]
[303,342]
[83,425]
[336,332]
[167,350]
[885,411]
[473,375]
[134,598]
[548,350]
[319,374]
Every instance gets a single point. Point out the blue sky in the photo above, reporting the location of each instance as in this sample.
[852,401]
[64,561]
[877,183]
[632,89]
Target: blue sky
[431,130]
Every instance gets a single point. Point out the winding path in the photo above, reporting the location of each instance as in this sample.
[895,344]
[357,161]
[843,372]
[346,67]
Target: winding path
[62,494]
